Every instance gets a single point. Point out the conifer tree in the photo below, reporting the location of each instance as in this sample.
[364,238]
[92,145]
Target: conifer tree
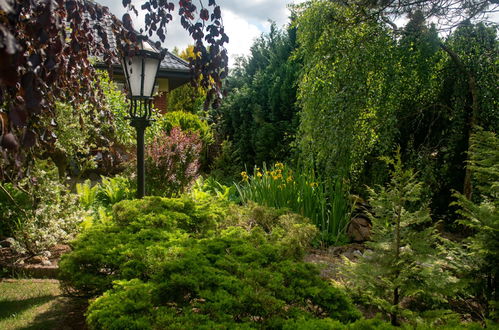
[482,216]
[403,262]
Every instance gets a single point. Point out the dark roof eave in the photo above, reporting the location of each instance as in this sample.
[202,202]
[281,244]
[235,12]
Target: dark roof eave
[177,77]
[162,72]
[165,73]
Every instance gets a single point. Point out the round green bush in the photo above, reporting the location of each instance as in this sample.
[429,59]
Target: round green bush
[183,263]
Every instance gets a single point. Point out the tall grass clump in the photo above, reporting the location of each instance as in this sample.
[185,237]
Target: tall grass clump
[325,203]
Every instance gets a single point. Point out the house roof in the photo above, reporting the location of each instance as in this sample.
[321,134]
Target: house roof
[172,67]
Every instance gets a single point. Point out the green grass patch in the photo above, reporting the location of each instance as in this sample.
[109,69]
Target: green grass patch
[38,304]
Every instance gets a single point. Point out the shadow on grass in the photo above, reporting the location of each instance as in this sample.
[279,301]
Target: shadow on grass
[11,307]
[65,313]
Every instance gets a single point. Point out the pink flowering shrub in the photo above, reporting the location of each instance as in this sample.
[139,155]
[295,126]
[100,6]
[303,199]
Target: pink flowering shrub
[172,162]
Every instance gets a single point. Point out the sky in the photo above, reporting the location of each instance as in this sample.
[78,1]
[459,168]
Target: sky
[244,21]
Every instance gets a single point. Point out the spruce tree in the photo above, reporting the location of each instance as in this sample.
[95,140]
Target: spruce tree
[403,263]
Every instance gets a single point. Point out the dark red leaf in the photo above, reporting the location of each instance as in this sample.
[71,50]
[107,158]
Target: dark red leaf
[17,115]
[33,101]
[217,12]
[34,60]
[127,22]
[27,81]
[204,14]
[8,70]
[9,142]
[29,139]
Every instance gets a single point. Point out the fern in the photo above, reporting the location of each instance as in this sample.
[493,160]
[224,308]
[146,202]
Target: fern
[87,194]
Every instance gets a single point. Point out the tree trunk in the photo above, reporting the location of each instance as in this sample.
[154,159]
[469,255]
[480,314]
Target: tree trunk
[394,315]
[467,186]
[396,293]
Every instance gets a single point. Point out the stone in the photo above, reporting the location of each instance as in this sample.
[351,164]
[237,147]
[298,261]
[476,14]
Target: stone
[40,260]
[37,260]
[357,253]
[46,254]
[8,242]
[359,229]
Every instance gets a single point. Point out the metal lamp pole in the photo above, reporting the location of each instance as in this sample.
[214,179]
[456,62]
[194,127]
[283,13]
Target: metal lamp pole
[140,125]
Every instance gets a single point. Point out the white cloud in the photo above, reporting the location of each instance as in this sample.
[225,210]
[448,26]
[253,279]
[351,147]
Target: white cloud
[241,34]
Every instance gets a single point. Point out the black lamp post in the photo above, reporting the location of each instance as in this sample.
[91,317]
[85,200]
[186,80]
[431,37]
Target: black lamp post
[141,66]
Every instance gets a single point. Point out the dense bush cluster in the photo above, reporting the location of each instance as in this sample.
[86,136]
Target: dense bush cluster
[183,263]
[172,162]
[39,212]
[327,100]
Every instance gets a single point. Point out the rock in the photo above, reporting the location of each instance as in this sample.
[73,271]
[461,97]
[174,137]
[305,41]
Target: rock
[359,229]
[8,242]
[357,253]
[46,263]
[37,260]
[46,254]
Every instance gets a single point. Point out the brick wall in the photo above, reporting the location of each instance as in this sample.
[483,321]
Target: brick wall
[161,102]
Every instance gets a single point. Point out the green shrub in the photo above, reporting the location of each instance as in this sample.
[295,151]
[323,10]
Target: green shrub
[238,278]
[14,204]
[98,199]
[330,324]
[117,249]
[87,194]
[114,190]
[372,324]
[211,187]
[123,309]
[182,263]
[187,122]
[106,193]
[226,165]
[39,211]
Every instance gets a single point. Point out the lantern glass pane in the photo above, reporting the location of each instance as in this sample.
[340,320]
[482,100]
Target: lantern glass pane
[150,70]
[134,69]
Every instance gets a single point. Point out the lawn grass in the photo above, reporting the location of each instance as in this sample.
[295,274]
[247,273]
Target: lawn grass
[38,304]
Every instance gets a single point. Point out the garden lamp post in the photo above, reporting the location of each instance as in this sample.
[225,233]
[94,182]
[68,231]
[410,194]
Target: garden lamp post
[140,66]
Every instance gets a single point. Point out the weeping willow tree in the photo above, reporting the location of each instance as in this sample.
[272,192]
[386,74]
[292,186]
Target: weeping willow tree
[366,87]
[346,89]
